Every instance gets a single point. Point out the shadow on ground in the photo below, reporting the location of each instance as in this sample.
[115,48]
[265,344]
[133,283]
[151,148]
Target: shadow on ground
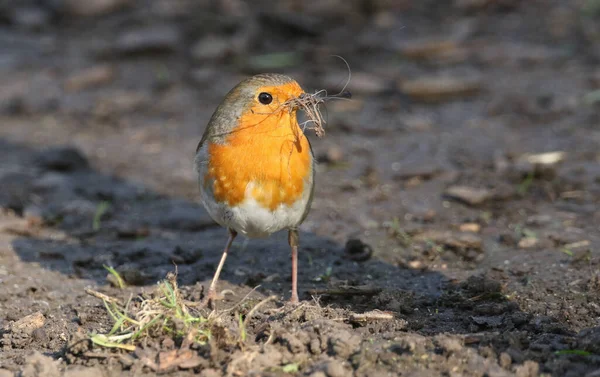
[68,221]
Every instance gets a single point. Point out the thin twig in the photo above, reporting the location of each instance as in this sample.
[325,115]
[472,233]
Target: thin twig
[102,296]
[255,308]
[373,315]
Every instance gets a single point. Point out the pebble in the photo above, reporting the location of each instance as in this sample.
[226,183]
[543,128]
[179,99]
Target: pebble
[470,227]
[505,360]
[90,78]
[528,369]
[30,323]
[469,195]
[210,373]
[357,250]
[6,373]
[38,365]
[160,38]
[541,164]
[61,159]
[423,170]
[528,243]
[455,240]
[335,368]
[440,89]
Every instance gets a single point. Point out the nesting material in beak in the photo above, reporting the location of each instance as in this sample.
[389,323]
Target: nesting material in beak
[310,103]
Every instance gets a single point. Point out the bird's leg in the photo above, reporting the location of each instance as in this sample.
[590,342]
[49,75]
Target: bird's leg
[212,290]
[293,240]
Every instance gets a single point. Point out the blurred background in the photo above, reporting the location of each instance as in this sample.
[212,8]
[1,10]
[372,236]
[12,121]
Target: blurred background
[470,147]
[440,88]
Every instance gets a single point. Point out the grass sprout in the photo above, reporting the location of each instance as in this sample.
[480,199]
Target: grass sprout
[117,279]
[163,312]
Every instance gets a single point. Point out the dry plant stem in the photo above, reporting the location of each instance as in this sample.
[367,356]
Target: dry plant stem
[373,315]
[212,290]
[102,296]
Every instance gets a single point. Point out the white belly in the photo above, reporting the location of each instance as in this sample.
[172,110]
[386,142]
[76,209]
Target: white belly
[249,218]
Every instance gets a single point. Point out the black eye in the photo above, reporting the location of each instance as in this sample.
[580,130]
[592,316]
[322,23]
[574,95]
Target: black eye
[265,98]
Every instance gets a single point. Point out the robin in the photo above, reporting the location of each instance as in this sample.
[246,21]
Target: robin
[256,167]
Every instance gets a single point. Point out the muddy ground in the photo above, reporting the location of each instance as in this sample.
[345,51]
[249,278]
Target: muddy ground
[457,191]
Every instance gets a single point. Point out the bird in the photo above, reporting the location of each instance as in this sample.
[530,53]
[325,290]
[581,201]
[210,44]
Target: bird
[255,166]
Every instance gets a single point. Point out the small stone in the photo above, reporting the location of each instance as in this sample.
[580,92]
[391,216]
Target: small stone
[315,346]
[132,232]
[357,250]
[211,47]
[449,343]
[423,171]
[61,159]
[6,373]
[133,276]
[424,215]
[528,243]
[161,38]
[39,335]
[469,195]
[453,240]
[210,373]
[90,78]
[440,89]
[528,369]
[505,360]
[30,323]
[470,227]
[335,368]
[540,165]
[38,365]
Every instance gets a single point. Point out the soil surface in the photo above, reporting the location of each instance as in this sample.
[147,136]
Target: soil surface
[455,226]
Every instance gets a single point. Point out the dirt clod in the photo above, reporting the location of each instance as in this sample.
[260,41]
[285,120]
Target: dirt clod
[38,365]
[469,195]
[335,368]
[357,250]
[29,323]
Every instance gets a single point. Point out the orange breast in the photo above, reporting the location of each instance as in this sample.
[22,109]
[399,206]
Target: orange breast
[268,150]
